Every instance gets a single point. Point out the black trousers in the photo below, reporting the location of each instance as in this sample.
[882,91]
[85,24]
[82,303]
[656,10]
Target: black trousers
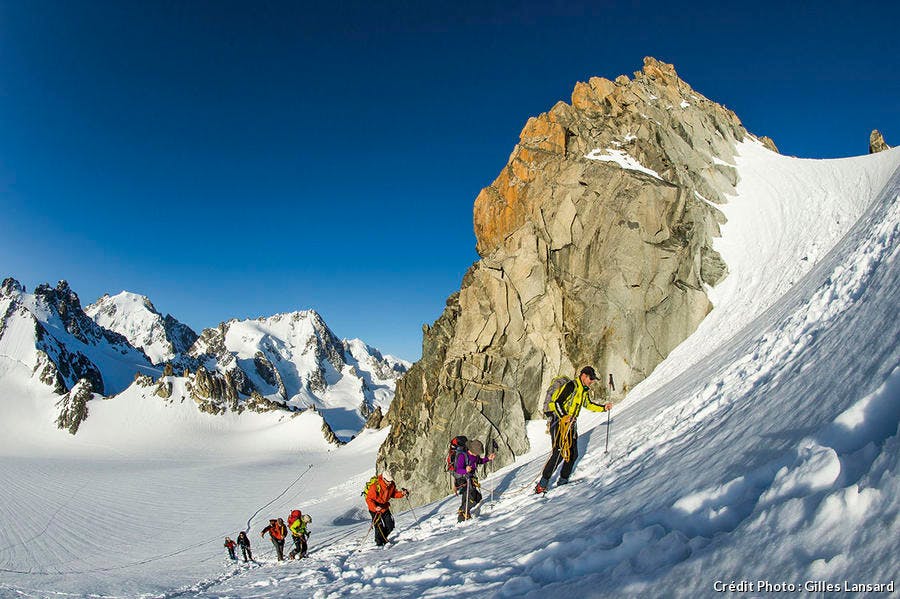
[556,454]
[383,526]
[245,551]
[299,547]
[231,552]
[468,498]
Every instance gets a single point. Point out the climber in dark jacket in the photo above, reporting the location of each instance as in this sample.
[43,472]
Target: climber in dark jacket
[244,543]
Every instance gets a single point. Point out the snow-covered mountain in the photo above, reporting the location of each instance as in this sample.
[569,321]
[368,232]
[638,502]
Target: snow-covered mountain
[295,359]
[285,363]
[161,337]
[48,332]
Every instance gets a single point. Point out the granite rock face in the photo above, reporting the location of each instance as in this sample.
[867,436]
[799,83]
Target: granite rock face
[73,409]
[596,248]
[877,143]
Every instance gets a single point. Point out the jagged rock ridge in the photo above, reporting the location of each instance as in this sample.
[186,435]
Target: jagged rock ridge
[596,247]
[289,362]
[48,331]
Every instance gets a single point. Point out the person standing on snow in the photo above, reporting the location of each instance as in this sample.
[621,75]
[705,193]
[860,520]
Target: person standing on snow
[563,426]
[297,522]
[244,542]
[378,500]
[229,545]
[277,532]
[466,481]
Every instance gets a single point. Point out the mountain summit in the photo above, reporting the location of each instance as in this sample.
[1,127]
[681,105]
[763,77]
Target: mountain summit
[162,338]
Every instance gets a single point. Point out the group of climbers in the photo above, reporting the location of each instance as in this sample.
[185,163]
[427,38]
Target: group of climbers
[563,402]
[277,530]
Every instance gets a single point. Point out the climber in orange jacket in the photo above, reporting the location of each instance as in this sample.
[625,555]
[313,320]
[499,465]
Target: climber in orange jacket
[378,500]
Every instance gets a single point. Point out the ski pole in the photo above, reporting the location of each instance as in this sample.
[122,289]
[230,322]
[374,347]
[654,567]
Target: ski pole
[411,508]
[607,433]
[371,526]
[494,483]
[468,486]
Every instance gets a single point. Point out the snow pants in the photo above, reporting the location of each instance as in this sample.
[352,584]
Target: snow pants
[245,551]
[470,497]
[383,526]
[299,547]
[556,454]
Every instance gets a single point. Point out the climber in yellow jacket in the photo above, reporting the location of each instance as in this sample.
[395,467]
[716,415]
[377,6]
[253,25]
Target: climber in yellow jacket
[562,407]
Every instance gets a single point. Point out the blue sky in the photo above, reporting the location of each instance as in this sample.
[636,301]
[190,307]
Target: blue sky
[240,159]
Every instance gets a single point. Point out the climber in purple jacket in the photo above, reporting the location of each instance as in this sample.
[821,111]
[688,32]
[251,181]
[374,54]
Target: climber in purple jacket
[466,481]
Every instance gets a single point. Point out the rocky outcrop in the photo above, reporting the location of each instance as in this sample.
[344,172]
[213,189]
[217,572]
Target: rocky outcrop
[376,417]
[329,435]
[596,248]
[877,143]
[769,143]
[267,372]
[73,408]
[214,393]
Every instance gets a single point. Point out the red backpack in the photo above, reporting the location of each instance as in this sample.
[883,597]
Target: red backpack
[295,515]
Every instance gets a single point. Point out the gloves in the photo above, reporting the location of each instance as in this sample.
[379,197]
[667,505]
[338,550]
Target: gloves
[607,406]
[405,491]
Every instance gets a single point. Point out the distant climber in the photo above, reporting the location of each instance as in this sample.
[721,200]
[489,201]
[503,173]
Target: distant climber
[379,493]
[297,522]
[561,409]
[229,545]
[611,384]
[466,483]
[244,542]
[277,532]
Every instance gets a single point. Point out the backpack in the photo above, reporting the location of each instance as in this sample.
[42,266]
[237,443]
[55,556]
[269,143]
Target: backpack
[457,446]
[553,391]
[295,515]
[307,518]
[371,482]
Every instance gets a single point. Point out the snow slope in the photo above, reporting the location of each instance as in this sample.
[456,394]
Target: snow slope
[764,448]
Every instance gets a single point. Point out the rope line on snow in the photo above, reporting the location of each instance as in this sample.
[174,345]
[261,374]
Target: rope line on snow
[160,556]
[296,480]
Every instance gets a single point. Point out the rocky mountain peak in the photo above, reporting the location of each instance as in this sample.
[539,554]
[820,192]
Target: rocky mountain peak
[596,245]
[877,143]
[656,123]
[135,317]
[11,287]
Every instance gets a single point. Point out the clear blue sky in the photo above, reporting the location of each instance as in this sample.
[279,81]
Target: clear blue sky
[240,159]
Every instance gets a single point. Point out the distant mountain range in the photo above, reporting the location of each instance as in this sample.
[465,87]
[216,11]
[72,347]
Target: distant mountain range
[289,362]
